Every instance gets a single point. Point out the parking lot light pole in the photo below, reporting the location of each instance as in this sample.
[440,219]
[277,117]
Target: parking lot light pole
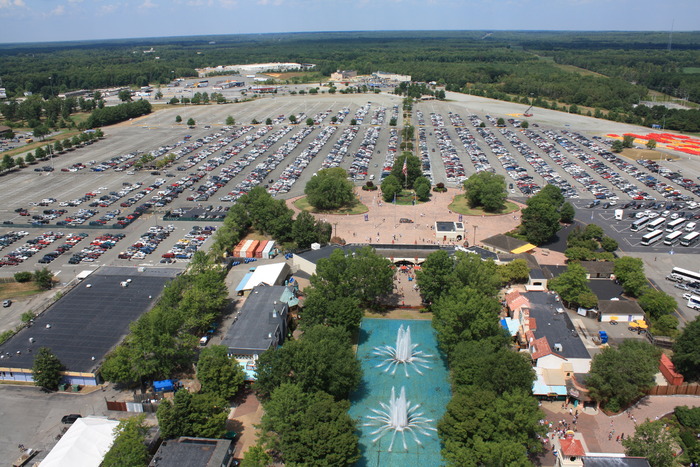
[474,242]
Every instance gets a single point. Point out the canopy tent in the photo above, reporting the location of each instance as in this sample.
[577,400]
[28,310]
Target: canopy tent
[84,444]
[523,249]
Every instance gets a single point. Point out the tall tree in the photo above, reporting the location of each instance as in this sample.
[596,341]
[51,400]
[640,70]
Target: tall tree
[129,447]
[391,188]
[619,376]
[343,312]
[218,373]
[413,169]
[486,189]
[435,276]
[654,441]
[540,221]
[657,303]
[199,414]
[323,360]
[46,370]
[465,314]
[686,351]
[330,189]
[309,428]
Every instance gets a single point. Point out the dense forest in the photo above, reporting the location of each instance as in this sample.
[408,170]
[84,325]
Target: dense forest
[615,70]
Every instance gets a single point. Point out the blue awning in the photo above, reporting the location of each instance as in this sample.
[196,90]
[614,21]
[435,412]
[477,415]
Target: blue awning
[510,325]
[241,285]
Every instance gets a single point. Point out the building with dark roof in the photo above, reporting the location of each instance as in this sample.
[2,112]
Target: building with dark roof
[501,243]
[194,452]
[85,324]
[261,322]
[595,460]
[619,310]
[598,269]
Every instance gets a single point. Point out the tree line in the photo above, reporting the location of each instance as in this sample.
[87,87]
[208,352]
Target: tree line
[492,419]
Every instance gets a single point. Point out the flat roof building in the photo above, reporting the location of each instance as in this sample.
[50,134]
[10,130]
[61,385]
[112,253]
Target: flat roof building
[449,231]
[193,452]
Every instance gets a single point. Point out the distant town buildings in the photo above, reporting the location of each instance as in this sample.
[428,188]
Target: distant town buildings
[342,75]
[392,76]
[253,68]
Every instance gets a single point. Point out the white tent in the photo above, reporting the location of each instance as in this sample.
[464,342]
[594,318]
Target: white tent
[84,444]
[270,274]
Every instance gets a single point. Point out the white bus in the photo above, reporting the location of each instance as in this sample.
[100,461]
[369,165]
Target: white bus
[686,275]
[638,224]
[690,239]
[675,224]
[673,237]
[655,224]
[694,302]
[652,237]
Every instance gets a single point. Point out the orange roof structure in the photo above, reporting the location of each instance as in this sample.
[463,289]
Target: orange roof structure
[572,448]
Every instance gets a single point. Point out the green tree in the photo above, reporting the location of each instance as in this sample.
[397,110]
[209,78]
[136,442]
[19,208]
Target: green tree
[567,213]
[686,351]
[57,146]
[657,303]
[524,124]
[323,360]
[129,447]
[617,146]
[540,221]
[23,276]
[256,456]
[362,274]
[435,276]
[174,101]
[178,119]
[230,120]
[307,230]
[41,131]
[627,141]
[44,278]
[199,414]
[619,376]
[630,272]
[30,159]
[309,428]
[46,371]
[309,121]
[651,144]
[268,121]
[292,119]
[570,283]
[330,189]
[8,162]
[391,188]
[515,271]
[608,244]
[413,169]
[489,364]
[353,122]
[218,373]
[190,121]
[488,430]
[465,314]
[480,275]
[666,325]
[124,95]
[654,441]
[422,187]
[342,312]
[486,189]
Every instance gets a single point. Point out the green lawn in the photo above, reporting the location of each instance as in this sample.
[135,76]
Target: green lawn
[358,208]
[460,206]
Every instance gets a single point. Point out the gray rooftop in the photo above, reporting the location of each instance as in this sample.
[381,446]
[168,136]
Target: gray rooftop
[556,327]
[193,452]
[600,461]
[249,334]
[88,322]
[443,226]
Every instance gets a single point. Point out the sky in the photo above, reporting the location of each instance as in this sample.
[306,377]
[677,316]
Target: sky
[65,20]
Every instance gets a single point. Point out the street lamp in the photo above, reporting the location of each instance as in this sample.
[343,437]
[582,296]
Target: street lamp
[474,242]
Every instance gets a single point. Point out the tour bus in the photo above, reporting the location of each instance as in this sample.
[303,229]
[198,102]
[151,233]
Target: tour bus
[655,224]
[690,239]
[675,224]
[638,224]
[685,275]
[652,237]
[672,238]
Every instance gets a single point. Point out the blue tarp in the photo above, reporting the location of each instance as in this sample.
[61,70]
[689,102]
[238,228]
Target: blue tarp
[243,282]
[165,385]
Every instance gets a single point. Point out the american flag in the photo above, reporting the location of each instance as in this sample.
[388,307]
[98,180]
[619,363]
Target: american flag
[404,171]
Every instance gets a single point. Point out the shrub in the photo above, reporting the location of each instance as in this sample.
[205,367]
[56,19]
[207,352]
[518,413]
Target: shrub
[24,276]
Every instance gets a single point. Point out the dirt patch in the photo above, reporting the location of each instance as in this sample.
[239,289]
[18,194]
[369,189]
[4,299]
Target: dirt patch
[639,154]
[18,289]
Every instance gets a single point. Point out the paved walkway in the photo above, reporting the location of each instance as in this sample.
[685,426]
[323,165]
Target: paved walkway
[601,431]
[383,224]
[242,419]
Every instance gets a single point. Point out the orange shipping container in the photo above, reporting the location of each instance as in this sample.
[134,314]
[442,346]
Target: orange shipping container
[245,247]
[250,251]
[238,248]
[260,248]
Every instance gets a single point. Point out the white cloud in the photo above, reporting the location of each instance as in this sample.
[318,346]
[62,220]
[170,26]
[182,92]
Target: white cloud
[58,11]
[228,3]
[148,4]
[108,9]
[75,1]
[270,2]
[11,3]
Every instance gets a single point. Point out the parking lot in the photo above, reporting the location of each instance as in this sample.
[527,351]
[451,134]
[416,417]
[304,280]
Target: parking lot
[93,189]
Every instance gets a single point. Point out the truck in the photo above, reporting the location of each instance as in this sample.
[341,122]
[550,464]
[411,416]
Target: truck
[619,214]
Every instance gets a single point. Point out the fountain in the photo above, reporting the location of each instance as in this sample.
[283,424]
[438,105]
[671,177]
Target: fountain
[403,354]
[399,416]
